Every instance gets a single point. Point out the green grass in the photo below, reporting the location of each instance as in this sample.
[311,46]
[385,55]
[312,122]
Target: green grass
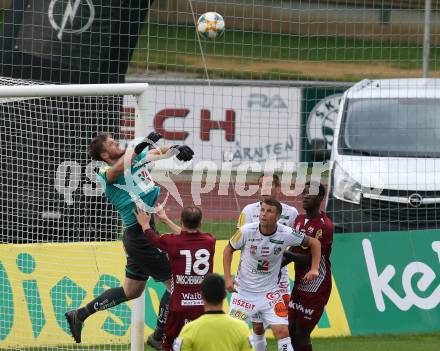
[398,342]
[181,39]
[168,46]
[221,230]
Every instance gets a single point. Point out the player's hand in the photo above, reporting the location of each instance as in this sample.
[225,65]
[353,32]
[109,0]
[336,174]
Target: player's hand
[183,152]
[230,285]
[311,275]
[161,214]
[154,137]
[149,140]
[143,218]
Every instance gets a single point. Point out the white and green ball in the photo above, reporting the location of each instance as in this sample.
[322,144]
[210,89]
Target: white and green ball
[211,25]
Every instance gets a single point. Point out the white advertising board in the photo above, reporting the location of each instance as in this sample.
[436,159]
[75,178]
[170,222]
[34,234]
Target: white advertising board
[235,124]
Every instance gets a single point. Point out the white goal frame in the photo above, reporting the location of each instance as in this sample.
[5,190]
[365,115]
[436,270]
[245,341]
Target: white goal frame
[139,90]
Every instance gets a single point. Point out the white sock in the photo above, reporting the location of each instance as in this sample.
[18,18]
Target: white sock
[285,344]
[259,342]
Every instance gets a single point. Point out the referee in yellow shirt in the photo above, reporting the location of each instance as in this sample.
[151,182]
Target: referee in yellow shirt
[214,330]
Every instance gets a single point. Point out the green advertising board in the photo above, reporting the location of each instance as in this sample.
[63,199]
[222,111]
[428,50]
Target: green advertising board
[389,282]
[382,283]
[319,110]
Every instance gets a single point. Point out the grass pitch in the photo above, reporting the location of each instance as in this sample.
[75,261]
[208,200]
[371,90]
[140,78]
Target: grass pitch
[257,55]
[397,342]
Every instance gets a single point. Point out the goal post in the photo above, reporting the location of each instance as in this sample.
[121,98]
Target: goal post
[44,133]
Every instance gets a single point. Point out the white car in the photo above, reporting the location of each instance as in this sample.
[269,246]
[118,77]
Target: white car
[385,161]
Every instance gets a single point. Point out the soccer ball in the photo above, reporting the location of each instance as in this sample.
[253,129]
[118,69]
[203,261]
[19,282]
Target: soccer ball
[211,25]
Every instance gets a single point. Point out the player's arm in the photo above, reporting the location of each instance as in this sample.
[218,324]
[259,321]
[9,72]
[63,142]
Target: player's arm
[182,153]
[118,167]
[228,253]
[151,235]
[235,243]
[241,220]
[160,153]
[162,215]
[301,259]
[113,172]
[315,250]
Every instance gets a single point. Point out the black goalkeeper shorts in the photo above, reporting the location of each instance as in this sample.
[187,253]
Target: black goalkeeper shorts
[143,259]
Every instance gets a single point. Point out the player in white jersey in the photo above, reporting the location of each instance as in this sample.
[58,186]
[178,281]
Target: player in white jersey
[255,293]
[270,186]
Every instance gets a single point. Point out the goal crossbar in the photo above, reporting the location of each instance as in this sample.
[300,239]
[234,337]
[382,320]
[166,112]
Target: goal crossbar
[73,90]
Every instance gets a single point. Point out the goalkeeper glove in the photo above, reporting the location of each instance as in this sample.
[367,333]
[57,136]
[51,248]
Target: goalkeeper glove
[182,152]
[151,139]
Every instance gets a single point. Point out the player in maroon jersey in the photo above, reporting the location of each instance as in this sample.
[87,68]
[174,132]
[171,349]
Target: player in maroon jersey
[309,298]
[191,255]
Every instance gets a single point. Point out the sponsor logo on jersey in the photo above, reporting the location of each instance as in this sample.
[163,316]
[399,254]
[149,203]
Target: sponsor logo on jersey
[280,309]
[301,308]
[277,250]
[318,234]
[265,251]
[284,217]
[243,303]
[238,314]
[280,242]
[189,279]
[191,296]
[310,230]
[263,266]
[298,234]
[254,239]
[253,249]
[191,302]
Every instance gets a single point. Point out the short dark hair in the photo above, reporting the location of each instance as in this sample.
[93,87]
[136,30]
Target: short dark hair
[213,289]
[272,202]
[96,146]
[321,191]
[275,178]
[191,217]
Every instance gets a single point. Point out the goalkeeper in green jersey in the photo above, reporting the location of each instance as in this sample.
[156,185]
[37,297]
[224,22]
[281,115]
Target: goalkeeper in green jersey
[127,184]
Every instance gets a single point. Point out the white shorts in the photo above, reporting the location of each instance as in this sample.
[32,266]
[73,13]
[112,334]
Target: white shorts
[267,308]
[284,290]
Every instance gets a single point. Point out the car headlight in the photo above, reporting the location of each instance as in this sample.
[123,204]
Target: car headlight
[345,188]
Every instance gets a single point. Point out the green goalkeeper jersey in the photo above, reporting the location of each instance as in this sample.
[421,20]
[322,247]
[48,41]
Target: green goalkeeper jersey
[133,186]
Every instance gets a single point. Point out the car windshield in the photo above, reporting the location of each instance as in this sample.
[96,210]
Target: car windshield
[391,127]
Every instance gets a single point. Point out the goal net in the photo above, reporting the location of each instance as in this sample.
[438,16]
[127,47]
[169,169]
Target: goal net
[266,94]
[58,234]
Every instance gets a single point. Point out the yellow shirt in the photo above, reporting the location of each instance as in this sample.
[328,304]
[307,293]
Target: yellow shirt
[214,331]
